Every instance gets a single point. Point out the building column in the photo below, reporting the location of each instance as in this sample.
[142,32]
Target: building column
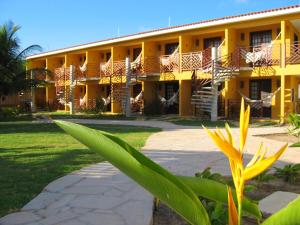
[128,86]
[214,106]
[282,99]
[185,94]
[282,42]
[87,95]
[33,104]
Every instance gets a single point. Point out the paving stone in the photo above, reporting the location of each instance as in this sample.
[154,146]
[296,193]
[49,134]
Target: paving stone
[87,190]
[113,192]
[73,222]
[41,201]
[136,212]
[276,201]
[19,218]
[62,183]
[92,202]
[90,181]
[63,201]
[103,219]
[59,218]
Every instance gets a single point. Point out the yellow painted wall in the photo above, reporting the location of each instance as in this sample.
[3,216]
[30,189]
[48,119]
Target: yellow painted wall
[191,41]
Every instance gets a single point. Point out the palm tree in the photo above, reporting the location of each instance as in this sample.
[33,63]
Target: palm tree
[13,74]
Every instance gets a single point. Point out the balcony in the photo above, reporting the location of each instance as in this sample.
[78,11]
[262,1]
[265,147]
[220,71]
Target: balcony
[293,53]
[59,76]
[105,68]
[262,55]
[200,60]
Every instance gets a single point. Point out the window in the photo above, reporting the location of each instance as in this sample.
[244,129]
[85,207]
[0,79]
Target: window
[136,52]
[261,37]
[212,42]
[170,48]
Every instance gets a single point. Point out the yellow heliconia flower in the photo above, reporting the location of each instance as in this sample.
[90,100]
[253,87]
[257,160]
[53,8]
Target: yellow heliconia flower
[232,211]
[257,165]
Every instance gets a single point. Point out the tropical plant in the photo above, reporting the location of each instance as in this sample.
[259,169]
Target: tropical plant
[182,193]
[13,75]
[289,173]
[264,177]
[178,192]
[241,173]
[217,212]
[294,125]
[207,174]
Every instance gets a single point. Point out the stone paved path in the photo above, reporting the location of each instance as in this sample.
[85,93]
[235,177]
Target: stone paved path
[101,195]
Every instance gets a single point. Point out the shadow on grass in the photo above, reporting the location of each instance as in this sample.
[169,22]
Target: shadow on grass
[23,176]
[32,127]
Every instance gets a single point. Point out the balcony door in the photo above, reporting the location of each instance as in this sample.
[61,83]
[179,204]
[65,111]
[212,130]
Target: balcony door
[108,55]
[255,89]
[136,53]
[170,48]
[260,37]
[212,42]
[170,89]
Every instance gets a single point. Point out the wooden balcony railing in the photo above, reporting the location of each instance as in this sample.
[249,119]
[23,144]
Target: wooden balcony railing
[293,53]
[261,55]
[59,76]
[169,63]
[196,60]
[79,74]
[105,68]
[119,67]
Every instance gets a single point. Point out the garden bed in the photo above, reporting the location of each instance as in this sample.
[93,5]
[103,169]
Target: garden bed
[163,215]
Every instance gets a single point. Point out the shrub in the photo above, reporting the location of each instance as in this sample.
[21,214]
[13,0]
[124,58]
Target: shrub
[289,173]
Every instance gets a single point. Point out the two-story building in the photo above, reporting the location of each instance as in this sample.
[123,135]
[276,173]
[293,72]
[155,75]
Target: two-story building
[196,69]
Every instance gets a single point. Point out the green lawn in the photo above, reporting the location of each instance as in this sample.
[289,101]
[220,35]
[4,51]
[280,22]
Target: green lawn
[32,155]
[207,123]
[83,115]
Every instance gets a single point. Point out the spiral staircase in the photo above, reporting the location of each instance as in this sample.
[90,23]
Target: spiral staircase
[206,91]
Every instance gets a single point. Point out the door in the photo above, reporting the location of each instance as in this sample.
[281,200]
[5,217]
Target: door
[108,55]
[260,37]
[212,42]
[137,90]
[136,53]
[255,89]
[170,48]
[171,88]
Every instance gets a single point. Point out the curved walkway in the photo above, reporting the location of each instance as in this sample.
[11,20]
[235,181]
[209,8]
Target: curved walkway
[101,195]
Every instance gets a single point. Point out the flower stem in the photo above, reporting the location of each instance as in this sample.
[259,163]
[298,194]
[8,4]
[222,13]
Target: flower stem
[240,214]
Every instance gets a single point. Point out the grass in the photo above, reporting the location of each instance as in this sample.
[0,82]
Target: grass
[32,155]
[66,115]
[219,123]
[206,123]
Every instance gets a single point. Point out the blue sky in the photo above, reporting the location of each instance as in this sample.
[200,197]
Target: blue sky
[61,23]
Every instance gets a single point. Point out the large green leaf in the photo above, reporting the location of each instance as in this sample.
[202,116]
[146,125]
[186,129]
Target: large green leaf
[216,191]
[141,169]
[290,215]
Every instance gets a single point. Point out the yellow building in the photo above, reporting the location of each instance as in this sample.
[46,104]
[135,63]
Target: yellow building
[199,69]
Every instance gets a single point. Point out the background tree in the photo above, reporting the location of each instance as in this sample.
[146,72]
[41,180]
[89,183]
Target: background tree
[13,75]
